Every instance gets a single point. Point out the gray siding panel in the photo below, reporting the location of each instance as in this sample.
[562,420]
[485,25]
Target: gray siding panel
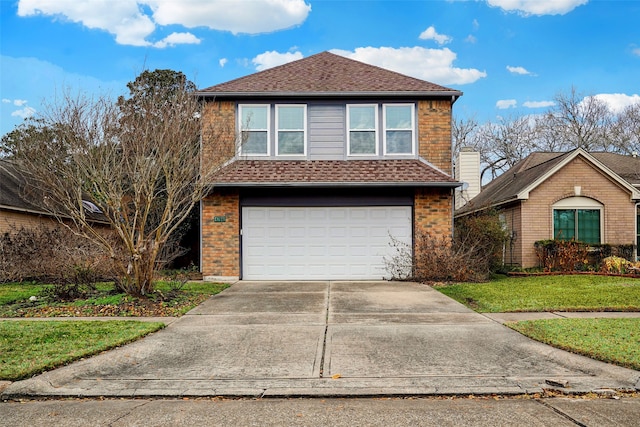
[326,137]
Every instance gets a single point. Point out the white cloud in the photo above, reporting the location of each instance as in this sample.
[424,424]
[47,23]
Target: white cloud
[272,59]
[177,38]
[131,25]
[618,101]
[503,104]
[6,101]
[636,51]
[435,65]
[223,62]
[538,104]
[19,102]
[431,34]
[471,39]
[519,70]
[538,7]
[25,113]
[257,16]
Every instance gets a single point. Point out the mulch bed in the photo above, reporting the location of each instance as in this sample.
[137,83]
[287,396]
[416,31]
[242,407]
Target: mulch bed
[140,307]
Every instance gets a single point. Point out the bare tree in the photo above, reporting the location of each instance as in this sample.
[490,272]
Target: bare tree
[135,163]
[505,143]
[575,121]
[626,130]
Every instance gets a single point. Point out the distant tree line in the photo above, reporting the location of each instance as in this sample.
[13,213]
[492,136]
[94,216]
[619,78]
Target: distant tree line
[575,120]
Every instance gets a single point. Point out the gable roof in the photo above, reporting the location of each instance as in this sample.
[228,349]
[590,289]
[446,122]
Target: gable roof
[327,74]
[12,190]
[331,173]
[527,174]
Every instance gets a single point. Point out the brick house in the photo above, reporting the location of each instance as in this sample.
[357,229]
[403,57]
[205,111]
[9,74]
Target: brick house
[335,156]
[18,209]
[591,197]
[22,206]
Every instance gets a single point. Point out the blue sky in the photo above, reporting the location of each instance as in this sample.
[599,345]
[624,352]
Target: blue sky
[509,57]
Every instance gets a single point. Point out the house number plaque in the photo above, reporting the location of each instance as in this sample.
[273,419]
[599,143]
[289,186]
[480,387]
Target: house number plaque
[219,219]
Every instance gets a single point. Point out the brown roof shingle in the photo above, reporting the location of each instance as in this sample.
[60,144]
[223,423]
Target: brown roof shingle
[331,172]
[327,73]
[507,186]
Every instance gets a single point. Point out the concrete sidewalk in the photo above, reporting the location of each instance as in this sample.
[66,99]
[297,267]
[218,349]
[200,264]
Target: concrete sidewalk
[275,339]
[347,412]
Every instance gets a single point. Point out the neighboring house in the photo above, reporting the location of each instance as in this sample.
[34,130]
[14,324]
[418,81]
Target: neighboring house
[590,197]
[336,157]
[23,207]
[17,208]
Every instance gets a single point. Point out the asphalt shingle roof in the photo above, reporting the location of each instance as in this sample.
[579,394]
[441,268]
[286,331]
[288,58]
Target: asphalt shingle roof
[507,186]
[331,172]
[13,193]
[327,73]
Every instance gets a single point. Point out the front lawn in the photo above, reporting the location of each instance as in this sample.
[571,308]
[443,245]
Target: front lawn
[105,300]
[28,347]
[548,293]
[609,340]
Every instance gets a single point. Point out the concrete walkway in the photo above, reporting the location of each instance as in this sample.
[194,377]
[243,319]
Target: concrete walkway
[328,339]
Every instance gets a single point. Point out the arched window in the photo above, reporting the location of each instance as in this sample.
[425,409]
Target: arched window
[578,218]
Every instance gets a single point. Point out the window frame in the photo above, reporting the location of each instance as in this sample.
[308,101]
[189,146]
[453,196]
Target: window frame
[375,130]
[576,204]
[277,130]
[241,129]
[412,128]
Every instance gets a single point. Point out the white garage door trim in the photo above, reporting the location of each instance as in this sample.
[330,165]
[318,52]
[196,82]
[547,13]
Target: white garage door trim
[321,243]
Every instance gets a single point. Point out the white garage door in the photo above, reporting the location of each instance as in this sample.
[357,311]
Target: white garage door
[319,243]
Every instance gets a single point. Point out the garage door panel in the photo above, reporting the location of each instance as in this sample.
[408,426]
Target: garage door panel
[318,243]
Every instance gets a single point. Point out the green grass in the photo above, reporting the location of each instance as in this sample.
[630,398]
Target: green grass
[105,301]
[28,348]
[609,340]
[548,293]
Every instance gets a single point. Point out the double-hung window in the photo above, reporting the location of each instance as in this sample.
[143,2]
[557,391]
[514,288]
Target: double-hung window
[399,135]
[254,129]
[362,136]
[291,130]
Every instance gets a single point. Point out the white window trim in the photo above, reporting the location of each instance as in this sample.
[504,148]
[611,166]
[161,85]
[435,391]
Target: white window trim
[304,129]
[413,129]
[575,203]
[375,130]
[241,129]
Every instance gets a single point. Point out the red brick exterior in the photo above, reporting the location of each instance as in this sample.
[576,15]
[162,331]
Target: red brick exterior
[434,133]
[221,234]
[433,207]
[433,212]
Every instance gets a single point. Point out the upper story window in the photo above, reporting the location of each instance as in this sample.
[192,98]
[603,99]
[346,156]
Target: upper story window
[362,136]
[254,125]
[399,132]
[291,123]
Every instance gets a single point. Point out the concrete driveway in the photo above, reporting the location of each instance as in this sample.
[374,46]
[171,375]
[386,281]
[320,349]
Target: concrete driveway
[328,339]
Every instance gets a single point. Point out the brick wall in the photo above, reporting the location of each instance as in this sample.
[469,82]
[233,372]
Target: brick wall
[12,221]
[537,218]
[434,133]
[218,133]
[221,240]
[432,212]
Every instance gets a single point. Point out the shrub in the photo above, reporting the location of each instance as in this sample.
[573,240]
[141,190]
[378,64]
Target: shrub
[471,256]
[562,255]
[52,255]
[614,264]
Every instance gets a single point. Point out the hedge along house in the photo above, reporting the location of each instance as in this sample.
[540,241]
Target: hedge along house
[332,159]
[590,197]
